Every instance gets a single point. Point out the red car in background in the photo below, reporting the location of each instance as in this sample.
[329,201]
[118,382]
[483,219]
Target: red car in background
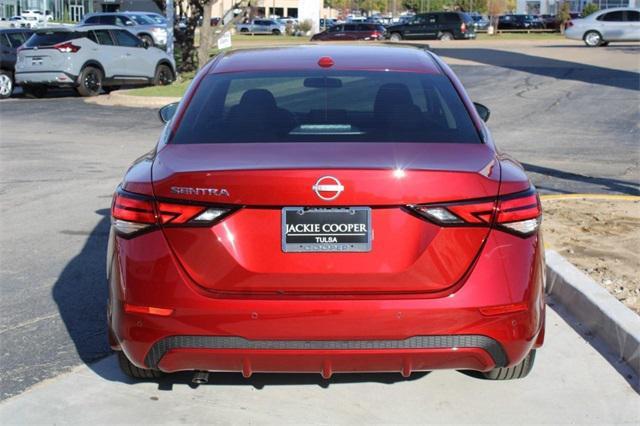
[326,209]
[351,32]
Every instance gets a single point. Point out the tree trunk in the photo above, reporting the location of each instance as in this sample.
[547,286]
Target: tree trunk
[205,36]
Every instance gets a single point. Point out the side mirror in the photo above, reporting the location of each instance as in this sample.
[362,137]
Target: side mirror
[166,112]
[483,111]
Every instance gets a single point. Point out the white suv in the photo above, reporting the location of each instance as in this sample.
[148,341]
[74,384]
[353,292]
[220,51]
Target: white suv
[90,58]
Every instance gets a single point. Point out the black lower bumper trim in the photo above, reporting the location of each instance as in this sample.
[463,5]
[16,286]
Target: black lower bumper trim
[488,344]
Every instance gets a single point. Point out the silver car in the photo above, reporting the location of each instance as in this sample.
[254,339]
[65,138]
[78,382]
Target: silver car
[154,33]
[262,26]
[89,58]
[602,27]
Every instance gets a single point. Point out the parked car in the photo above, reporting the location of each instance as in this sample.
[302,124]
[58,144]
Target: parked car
[37,14]
[519,22]
[437,25]
[23,22]
[262,26]
[550,22]
[283,179]
[138,23]
[603,27]
[326,23]
[350,32]
[480,22]
[10,41]
[90,58]
[156,17]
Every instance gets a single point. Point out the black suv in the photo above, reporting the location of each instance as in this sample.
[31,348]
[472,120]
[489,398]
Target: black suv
[434,26]
[10,40]
[519,22]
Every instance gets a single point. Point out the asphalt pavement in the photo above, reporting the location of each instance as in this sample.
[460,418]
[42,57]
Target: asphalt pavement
[574,125]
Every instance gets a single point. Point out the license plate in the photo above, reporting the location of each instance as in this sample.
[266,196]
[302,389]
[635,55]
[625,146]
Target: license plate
[326,230]
[36,61]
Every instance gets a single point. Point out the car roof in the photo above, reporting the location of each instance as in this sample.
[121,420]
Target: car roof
[305,57]
[79,28]
[16,30]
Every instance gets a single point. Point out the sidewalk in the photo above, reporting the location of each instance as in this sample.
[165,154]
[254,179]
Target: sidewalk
[571,383]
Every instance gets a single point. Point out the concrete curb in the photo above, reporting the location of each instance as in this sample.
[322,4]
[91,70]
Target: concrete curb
[592,305]
[122,98]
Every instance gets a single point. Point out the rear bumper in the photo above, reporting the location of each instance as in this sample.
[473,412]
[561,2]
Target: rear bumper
[49,78]
[326,335]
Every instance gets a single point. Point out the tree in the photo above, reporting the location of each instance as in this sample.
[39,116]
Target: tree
[564,15]
[184,39]
[589,8]
[495,8]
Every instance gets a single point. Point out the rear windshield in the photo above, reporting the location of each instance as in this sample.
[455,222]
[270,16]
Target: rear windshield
[326,106]
[53,37]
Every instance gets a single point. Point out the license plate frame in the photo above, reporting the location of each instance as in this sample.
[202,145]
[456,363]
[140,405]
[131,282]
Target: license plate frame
[346,240]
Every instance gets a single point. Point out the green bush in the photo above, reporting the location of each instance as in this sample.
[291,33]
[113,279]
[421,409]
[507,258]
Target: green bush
[589,8]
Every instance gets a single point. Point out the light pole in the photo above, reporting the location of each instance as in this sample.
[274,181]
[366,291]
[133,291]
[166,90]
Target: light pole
[170,15]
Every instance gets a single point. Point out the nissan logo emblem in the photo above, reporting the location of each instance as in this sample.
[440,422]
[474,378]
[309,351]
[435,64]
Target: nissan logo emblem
[328,188]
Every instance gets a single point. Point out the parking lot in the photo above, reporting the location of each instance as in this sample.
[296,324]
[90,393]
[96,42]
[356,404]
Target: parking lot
[568,113]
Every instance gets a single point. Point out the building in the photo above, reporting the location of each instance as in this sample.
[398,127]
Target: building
[551,7]
[59,9]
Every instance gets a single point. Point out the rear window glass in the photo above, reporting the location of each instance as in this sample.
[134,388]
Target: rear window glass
[53,37]
[326,106]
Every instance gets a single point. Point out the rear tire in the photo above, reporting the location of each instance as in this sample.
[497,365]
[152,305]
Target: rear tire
[445,36]
[131,370]
[89,82]
[276,32]
[518,371]
[244,30]
[592,39]
[34,91]
[6,84]
[163,76]
[395,37]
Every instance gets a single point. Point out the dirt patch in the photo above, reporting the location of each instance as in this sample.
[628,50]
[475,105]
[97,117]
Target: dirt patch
[602,238]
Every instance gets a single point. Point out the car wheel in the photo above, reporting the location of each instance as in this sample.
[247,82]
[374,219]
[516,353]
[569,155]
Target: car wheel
[395,37]
[34,91]
[276,32]
[6,84]
[445,36]
[163,76]
[592,39]
[131,370]
[244,30]
[89,82]
[518,371]
[147,39]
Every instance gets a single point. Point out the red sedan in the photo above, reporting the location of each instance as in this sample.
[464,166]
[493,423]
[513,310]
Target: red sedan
[326,209]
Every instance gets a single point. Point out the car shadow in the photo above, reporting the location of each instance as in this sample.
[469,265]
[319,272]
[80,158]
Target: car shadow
[609,184]
[80,293]
[547,67]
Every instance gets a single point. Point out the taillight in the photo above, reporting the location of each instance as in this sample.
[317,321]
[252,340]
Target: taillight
[375,34]
[66,47]
[133,213]
[463,28]
[518,213]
